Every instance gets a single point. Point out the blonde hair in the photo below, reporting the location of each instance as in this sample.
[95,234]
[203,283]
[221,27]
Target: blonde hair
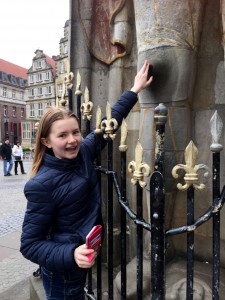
[51,115]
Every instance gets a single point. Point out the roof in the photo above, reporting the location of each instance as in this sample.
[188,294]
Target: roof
[10,68]
[50,61]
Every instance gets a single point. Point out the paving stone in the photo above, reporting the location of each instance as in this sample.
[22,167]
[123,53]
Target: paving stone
[15,270]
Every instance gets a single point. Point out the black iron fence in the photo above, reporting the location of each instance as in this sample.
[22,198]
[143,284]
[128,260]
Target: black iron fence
[159,234]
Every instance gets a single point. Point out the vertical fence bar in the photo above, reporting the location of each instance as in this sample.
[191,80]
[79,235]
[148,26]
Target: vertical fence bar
[88,126]
[139,244]
[98,133]
[157,203]
[190,243]
[110,220]
[216,227]
[216,131]
[139,170]
[70,98]
[123,249]
[99,258]
[123,229]
[157,237]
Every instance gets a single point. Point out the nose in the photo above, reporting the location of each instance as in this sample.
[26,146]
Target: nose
[72,138]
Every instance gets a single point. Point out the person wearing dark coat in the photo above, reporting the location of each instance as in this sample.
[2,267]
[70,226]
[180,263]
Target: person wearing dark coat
[6,154]
[64,201]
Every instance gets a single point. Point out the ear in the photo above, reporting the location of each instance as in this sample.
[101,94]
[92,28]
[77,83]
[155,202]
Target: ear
[46,143]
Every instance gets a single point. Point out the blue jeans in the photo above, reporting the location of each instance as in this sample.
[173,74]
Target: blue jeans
[64,285]
[5,163]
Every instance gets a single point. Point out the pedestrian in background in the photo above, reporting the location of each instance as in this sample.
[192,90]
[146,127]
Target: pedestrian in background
[64,200]
[17,152]
[6,154]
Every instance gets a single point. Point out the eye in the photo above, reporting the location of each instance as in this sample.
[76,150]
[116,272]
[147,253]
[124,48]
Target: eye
[76,132]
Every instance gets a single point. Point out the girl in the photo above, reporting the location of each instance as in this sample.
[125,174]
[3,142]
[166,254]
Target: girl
[64,198]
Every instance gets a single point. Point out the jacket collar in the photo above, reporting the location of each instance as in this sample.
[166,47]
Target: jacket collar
[62,164]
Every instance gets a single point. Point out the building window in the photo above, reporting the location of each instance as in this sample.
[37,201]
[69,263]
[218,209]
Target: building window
[5,110]
[47,76]
[65,48]
[14,111]
[39,77]
[21,95]
[6,128]
[31,78]
[60,87]
[39,64]
[40,91]
[21,82]
[22,112]
[4,92]
[62,67]
[48,89]
[40,109]
[14,94]
[4,76]
[31,92]
[13,79]
[26,131]
[31,110]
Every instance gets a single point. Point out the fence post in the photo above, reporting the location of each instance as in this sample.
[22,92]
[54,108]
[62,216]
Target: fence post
[216,131]
[157,199]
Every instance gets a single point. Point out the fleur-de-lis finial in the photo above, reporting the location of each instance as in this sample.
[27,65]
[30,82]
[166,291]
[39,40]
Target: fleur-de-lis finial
[69,80]
[98,129]
[78,86]
[216,125]
[190,169]
[63,100]
[109,125]
[67,84]
[139,168]
[123,146]
[86,106]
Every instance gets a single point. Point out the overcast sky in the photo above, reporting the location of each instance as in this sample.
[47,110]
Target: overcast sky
[28,25]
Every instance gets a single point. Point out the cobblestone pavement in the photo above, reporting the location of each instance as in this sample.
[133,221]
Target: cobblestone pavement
[14,268]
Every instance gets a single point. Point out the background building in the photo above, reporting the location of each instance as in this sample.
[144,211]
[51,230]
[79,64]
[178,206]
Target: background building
[40,94]
[25,94]
[62,67]
[13,81]
[45,86]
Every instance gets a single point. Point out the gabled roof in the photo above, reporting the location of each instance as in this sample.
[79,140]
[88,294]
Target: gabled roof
[10,68]
[49,60]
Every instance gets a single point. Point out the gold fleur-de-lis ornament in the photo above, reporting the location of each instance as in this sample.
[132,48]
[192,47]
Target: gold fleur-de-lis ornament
[139,168]
[190,169]
[109,125]
[86,106]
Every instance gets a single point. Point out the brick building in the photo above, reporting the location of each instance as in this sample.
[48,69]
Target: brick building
[13,79]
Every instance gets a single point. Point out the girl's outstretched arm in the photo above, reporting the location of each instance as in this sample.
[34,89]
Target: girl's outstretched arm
[141,80]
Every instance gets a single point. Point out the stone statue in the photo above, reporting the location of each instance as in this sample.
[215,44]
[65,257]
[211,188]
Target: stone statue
[183,40]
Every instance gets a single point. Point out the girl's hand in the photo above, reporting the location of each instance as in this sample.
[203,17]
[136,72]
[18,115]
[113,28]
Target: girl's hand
[141,79]
[80,256]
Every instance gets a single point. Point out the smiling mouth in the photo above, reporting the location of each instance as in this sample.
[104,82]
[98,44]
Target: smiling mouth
[71,149]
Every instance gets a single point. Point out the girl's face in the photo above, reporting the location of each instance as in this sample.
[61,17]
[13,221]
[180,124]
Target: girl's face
[64,138]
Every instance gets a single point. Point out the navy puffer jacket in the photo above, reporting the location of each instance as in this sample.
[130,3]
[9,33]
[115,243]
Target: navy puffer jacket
[64,202]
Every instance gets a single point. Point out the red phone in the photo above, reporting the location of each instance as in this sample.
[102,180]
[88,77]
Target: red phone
[94,240]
